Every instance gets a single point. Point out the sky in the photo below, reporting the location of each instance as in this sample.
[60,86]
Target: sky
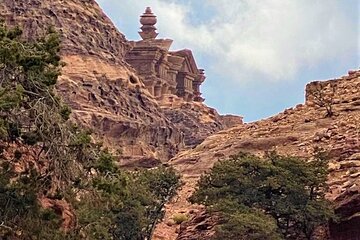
[258,55]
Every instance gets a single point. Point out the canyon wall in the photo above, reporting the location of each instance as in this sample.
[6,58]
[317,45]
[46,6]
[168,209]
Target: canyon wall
[297,131]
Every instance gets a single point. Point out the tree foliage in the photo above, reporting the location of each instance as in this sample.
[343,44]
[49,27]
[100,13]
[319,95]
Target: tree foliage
[29,113]
[109,203]
[128,203]
[256,194]
[29,107]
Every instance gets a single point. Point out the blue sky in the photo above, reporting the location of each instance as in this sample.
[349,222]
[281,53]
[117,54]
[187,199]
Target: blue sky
[258,54]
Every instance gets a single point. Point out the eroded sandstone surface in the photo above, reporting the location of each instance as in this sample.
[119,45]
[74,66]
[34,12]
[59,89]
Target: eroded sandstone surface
[106,93]
[296,131]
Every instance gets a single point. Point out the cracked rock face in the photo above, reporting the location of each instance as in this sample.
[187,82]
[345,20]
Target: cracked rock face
[123,115]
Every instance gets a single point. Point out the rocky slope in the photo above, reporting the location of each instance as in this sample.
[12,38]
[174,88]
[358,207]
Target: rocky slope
[104,91]
[196,120]
[296,131]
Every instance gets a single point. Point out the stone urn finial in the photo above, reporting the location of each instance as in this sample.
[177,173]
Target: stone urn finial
[148,20]
[148,10]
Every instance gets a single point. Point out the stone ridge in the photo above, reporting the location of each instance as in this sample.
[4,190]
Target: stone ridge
[296,131]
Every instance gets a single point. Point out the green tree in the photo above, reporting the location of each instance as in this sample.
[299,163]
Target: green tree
[109,203]
[290,190]
[162,183]
[29,113]
[248,225]
[128,203]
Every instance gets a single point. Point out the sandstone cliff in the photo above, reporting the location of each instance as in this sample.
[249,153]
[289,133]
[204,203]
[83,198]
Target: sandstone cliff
[83,25]
[105,92]
[296,131]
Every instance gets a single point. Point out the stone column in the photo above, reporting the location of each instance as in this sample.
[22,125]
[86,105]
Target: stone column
[165,89]
[157,91]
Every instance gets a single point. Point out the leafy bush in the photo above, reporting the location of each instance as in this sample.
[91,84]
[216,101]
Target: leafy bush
[128,206]
[289,190]
[28,112]
[20,213]
[179,218]
[248,225]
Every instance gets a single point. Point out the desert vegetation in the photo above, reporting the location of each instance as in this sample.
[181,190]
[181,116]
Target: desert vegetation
[45,157]
[274,197]
[323,96]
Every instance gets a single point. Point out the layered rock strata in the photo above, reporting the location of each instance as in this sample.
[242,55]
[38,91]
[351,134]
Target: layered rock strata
[85,29]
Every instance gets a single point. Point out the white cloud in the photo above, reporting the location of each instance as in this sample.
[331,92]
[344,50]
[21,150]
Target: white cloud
[273,38]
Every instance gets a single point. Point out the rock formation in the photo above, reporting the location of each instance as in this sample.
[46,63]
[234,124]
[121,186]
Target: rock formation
[84,27]
[144,99]
[296,131]
[127,103]
[100,86]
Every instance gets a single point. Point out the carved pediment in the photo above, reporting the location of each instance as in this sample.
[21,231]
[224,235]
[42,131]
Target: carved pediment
[189,64]
[176,62]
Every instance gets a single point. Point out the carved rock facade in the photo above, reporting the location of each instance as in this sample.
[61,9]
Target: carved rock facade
[164,72]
